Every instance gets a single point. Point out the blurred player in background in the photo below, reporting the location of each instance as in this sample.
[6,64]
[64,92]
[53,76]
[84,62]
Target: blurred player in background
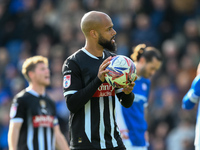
[90,99]
[192,98]
[33,123]
[131,121]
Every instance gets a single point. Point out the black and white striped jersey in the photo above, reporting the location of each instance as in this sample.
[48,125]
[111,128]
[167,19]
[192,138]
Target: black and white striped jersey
[37,115]
[91,103]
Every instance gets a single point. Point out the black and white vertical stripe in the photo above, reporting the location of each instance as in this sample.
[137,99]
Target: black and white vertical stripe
[102,127]
[41,138]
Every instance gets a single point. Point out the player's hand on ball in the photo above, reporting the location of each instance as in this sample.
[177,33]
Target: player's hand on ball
[129,88]
[103,70]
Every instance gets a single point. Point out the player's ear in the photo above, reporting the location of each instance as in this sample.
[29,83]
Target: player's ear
[142,60]
[93,34]
[31,74]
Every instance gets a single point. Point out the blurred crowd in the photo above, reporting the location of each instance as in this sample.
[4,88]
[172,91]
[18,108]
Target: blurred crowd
[52,28]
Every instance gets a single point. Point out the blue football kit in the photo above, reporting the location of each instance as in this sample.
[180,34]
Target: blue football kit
[133,119]
[191,98]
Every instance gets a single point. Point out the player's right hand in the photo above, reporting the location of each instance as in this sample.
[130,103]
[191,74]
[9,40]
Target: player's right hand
[103,70]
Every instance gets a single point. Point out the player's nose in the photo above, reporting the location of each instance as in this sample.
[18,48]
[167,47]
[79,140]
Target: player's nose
[114,32]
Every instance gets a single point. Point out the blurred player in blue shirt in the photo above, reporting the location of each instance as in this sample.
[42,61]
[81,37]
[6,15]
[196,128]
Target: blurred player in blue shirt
[131,121]
[191,98]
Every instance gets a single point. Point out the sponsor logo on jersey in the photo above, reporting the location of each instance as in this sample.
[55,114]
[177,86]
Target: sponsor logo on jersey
[66,81]
[105,90]
[43,121]
[13,110]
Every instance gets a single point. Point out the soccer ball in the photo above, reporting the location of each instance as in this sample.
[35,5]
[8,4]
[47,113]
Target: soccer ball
[122,71]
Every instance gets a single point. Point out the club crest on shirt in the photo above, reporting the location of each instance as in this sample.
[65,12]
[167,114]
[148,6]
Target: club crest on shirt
[43,106]
[144,86]
[42,103]
[13,110]
[66,81]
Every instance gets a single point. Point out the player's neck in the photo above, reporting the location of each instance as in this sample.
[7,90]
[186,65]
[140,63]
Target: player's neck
[40,89]
[94,50]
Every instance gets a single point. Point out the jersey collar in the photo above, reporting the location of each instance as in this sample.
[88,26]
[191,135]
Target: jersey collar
[89,54]
[31,91]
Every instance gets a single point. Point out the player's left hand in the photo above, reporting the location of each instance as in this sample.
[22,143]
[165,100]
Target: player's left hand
[124,134]
[129,88]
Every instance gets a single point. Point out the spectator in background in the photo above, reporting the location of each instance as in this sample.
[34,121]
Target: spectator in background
[4,60]
[164,117]
[4,124]
[189,33]
[143,32]
[4,95]
[181,137]
[192,98]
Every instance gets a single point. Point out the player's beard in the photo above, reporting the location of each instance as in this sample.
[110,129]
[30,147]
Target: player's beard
[107,44]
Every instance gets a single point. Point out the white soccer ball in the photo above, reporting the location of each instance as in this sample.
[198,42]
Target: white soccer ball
[122,71]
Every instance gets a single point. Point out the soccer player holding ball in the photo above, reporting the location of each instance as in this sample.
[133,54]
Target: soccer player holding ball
[90,99]
[131,121]
[192,98]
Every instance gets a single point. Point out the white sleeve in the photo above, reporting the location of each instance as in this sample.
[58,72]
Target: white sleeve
[119,115]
